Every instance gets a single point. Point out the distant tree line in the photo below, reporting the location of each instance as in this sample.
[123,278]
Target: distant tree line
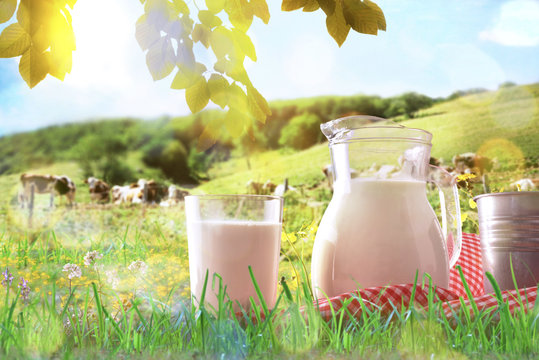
[122,150]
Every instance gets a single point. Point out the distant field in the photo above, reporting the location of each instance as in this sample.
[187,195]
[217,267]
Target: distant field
[502,124]
[112,310]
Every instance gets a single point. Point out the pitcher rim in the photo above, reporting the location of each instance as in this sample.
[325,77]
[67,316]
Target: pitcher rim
[334,138]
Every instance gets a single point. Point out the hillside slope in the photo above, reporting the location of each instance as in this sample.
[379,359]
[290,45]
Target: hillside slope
[502,124]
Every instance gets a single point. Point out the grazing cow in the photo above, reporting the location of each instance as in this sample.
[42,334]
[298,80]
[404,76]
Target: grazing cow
[254,187]
[126,194]
[99,190]
[523,184]
[118,193]
[257,188]
[46,184]
[65,186]
[174,196]
[153,192]
[471,163]
[142,191]
[268,188]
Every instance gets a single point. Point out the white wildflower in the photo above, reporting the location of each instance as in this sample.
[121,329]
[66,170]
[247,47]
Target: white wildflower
[138,266]
[72,270]
[91,257]
[112,278]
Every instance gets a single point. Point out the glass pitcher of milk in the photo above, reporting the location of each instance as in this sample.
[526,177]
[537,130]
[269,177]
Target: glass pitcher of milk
[379,227]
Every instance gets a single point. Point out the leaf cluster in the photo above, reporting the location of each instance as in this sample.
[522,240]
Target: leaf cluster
[42,36]
[169,33]
[363,16]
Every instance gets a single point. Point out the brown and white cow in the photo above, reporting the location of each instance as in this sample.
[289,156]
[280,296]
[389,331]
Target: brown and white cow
[174,196]
[471,163]
[46,184]
[143,191]
[99,190]
[128,194]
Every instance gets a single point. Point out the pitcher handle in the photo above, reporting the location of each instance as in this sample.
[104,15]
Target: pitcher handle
[449,203]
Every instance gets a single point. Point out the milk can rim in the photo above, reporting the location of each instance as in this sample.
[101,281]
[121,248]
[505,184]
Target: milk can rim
[509,193]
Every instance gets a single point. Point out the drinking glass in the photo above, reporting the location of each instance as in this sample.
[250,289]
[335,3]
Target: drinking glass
[228,233]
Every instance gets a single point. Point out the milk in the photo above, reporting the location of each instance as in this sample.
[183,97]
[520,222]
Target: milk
[375,233]
[227,248]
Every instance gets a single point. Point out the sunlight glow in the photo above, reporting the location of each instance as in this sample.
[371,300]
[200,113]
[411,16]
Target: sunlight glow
[102,31]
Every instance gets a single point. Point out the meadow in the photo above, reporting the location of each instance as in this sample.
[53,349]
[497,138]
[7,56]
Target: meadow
[126,292]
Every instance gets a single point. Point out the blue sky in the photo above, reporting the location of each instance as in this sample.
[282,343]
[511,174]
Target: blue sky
[433,47]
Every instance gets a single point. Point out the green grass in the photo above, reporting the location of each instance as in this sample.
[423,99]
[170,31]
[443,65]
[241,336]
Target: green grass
[150,315]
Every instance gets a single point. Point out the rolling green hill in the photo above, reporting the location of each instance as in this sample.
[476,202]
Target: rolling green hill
[502,124]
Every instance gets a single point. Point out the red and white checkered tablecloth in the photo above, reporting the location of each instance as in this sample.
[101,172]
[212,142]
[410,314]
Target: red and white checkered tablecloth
[388,298]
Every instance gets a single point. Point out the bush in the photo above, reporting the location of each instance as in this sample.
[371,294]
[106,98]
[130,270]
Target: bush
[301,132]
[171,158]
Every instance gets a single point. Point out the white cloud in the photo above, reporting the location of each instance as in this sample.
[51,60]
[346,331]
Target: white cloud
[517,24]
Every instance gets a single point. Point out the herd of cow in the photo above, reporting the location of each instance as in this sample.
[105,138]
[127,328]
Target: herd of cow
[143,191]
[466,163]
[150,192]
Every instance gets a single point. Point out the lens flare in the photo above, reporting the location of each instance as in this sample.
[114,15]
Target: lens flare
[505,154]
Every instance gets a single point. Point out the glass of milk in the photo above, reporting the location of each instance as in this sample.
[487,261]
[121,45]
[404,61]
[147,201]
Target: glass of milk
[228,233]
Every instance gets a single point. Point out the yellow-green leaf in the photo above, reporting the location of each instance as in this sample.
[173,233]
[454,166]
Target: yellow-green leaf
[218,87]
[7,9]
[245,44]
[34,66]
[184,79]
[240,14]
[378,14]
[181,6]
[209,19]
[290,5]
[237,98]
[186,57]
[223,66]
[14,41]
[215,6]
[328,6]
[472,204]
[221,42]
[362,17]
[235,121]
[202,33]
[260,100]
[238,73]
[311,5]
[336,24]
[146,34]
[198,95]
[260,10]
[255,109]
[60,62]
[161,59]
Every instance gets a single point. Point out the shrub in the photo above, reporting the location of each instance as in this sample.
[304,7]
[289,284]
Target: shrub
[301,132]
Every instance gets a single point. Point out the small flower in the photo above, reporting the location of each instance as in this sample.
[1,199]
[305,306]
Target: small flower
[138,266]
[91,257]
[112,278]
[8,278]
[73,271]
[25,290]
